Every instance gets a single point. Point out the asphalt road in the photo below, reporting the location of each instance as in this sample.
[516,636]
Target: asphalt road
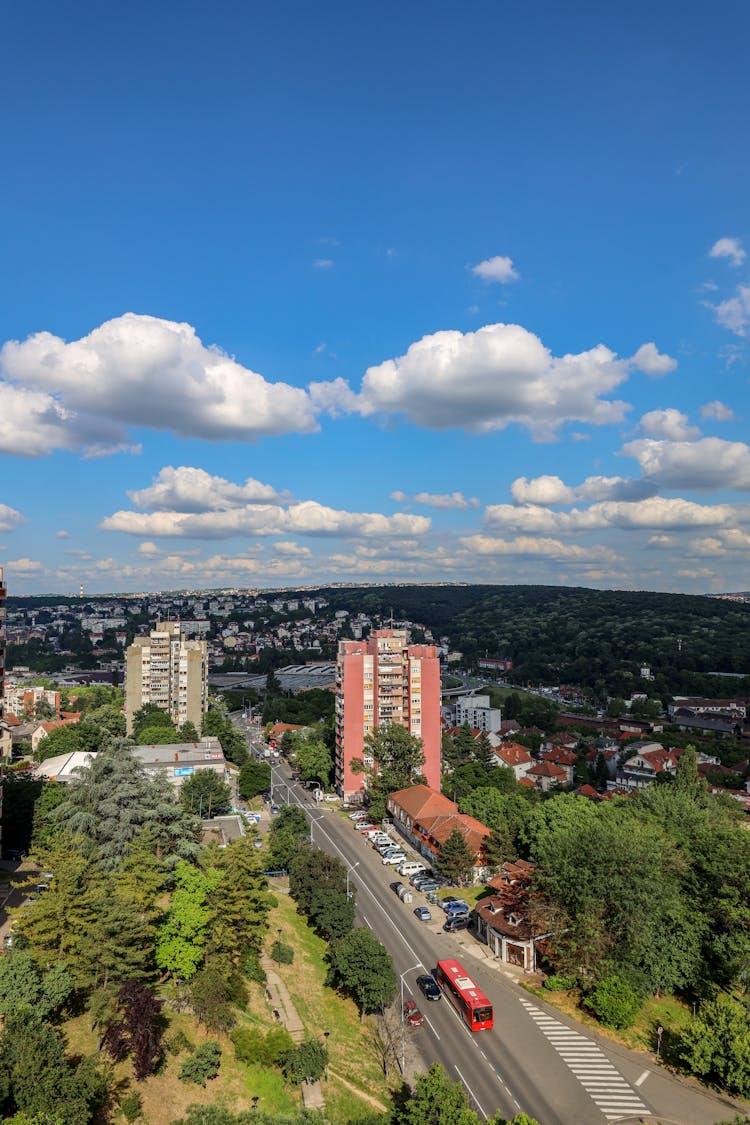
[534,1059]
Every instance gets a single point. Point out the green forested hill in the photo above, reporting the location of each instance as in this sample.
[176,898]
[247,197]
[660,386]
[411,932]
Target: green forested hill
[597,638]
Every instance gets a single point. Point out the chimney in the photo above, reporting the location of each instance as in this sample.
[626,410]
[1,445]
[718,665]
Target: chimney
[176,756]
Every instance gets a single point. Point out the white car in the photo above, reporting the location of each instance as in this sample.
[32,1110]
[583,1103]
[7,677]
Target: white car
[392,858]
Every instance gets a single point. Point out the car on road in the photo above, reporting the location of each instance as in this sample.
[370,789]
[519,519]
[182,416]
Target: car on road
[429,987]
[423,913]
[412,1014]
[392,858]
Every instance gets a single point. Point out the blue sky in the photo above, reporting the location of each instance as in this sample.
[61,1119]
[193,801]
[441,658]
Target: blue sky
[300,293]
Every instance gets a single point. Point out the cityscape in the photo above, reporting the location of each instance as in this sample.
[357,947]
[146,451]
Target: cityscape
[374,599]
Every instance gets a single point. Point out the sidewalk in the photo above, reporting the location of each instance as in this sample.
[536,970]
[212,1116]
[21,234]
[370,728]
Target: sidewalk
[285,1011]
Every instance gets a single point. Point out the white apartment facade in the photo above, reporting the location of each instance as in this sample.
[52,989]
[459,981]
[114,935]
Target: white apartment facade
[169,671]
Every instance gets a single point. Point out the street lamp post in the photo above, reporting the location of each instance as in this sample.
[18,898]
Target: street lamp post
[325,1037]
[313,820]
[418,965]
[349,873]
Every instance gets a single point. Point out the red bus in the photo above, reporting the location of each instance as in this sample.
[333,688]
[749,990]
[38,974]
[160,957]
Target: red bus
[467,997]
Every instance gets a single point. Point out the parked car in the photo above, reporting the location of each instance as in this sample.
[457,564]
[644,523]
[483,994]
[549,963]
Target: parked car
[429,987]
[450,900]
[425,888]
[456,922]
[412,1014]
[456,908]
[418,880]
[423,914]
[392,858]
[396,887]
[360,814]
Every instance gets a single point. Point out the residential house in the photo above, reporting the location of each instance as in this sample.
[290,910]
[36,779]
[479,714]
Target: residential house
[426,818]
[502,922]
[546,776]
[514,757]
[564,759]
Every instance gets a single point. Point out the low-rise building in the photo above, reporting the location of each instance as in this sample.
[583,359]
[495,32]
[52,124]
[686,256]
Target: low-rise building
[502,921]
[514,757]
[179,760]
[426,818]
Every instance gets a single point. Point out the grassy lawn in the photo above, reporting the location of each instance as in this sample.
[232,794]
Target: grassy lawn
[165,1097]
[471,895]
[321,1009]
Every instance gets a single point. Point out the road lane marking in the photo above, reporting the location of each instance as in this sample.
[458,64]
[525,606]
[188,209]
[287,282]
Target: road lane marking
[431,1027]
[471,1092]
[322,829]
[612,1094]
[642,1079]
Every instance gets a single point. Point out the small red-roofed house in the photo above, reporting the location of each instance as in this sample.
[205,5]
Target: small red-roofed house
[426,818]
[546,776]
[563,758]
[515,757]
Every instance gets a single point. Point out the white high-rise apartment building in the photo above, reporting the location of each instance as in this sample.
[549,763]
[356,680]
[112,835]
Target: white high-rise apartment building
[169,671]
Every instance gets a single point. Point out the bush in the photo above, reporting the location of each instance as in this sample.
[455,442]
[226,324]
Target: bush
[177,1043]
[281,953]
[614,1002]
[131,1106]
[209,999]
[251,1046]
[307,1060]
[203,1065]
[252,967]
[560,983]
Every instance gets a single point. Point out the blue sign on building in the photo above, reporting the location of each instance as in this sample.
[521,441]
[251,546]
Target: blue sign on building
[183,771]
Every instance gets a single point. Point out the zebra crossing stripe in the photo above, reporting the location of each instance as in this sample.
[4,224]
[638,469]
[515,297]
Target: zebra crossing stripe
[611,1093]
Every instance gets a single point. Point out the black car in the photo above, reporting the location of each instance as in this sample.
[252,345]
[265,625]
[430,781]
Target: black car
[457,922]
[429,987]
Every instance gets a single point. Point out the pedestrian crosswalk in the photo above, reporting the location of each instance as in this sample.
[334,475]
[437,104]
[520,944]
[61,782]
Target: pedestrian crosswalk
[611,1093]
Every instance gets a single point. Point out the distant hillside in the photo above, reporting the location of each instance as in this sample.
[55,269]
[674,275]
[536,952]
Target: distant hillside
[597,638]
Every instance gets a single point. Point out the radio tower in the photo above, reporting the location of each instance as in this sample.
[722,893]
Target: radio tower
[80,590]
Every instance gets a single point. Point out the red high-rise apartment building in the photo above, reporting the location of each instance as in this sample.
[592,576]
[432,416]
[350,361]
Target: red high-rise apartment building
[385,680]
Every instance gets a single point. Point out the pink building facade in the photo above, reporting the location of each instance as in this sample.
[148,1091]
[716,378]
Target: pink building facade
[385,680]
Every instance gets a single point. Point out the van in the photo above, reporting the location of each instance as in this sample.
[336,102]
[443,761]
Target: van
[409,868]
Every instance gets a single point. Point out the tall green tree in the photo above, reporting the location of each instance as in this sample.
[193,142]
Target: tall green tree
[456,858]
[361,966]
[317,882]
[398,758]
[255,778]
[182,938]
[288,830]
[239,903]
[314,761]
[205,794]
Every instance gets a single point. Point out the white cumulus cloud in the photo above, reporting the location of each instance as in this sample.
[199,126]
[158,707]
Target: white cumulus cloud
[498,268]
[718,411]
[670,424]
[138,371]
[730,248]
[194,490]
[734,313]
[10,519]
[651,361]
[444,500]
[654,512]
[536,547]
[549,491]
[485,380]
[710,463]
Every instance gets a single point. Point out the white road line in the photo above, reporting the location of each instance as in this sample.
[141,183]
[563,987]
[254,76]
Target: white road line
[643,1077]
[471,1092]
[432,1029]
